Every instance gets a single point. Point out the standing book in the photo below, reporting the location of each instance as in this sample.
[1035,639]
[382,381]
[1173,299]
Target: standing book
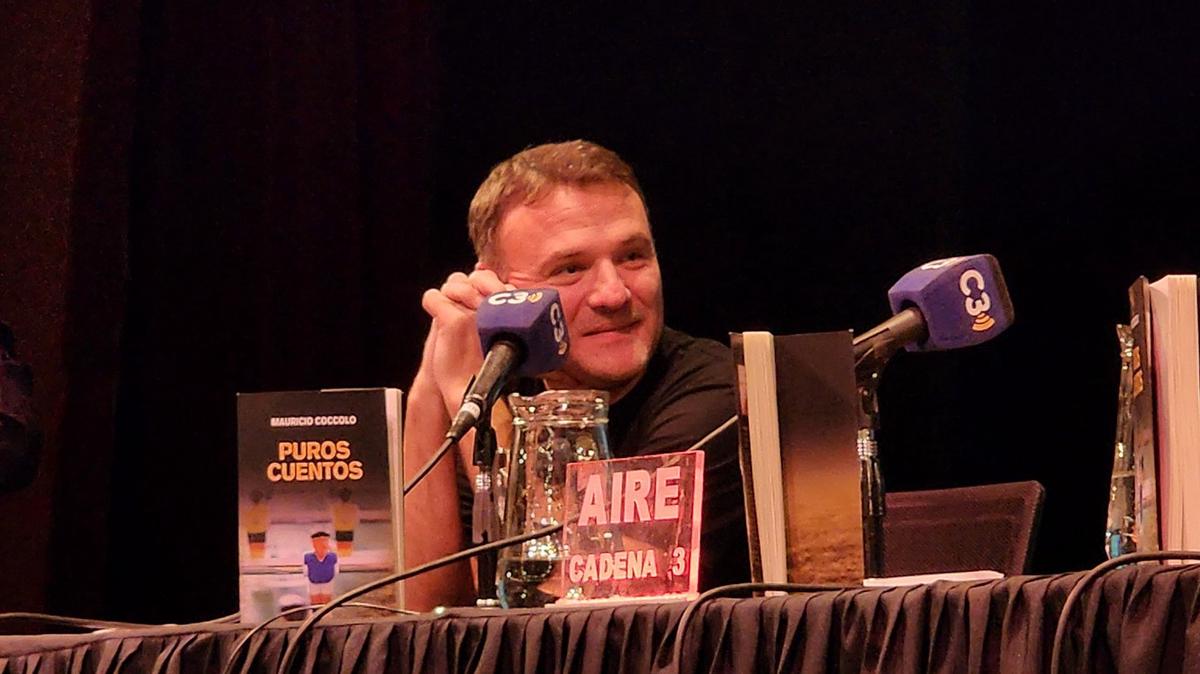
[319,484]
[1176,381]
[798,434]
[1142,419]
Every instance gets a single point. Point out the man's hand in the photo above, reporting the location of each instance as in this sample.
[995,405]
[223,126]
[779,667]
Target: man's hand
[455,355]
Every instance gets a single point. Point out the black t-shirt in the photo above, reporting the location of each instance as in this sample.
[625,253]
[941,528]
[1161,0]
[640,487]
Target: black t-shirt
[688,390]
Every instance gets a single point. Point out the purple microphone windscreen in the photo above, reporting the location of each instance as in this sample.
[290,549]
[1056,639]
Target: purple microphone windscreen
[963,299]
[532,318]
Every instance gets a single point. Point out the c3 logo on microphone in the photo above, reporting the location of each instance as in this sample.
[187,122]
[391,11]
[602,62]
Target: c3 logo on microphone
[560,327]
[970,283]
[514,297]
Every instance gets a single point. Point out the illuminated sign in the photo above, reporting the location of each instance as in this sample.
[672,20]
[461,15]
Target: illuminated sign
[633,527]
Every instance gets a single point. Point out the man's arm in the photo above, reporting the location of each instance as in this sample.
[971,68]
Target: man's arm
[451,356]
[431,520]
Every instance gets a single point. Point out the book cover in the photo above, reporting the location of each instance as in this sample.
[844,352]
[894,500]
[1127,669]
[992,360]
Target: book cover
[1143,419]
[798,431]
[318,487]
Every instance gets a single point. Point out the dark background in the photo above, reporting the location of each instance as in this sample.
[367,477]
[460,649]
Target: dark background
[205,198]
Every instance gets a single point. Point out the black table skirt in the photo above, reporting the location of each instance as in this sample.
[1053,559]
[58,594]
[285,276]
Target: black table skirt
[1140,619]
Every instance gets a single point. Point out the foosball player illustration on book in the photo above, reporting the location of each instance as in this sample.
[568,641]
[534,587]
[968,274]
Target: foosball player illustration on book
[257,517]
[345,521]
[320,567]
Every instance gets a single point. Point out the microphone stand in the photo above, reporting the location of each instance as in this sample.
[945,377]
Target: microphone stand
[872,351]
[483,512]
[867,372]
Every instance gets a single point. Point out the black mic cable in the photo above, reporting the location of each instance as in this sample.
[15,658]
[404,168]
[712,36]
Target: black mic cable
[429,465]
[685,619]
[84,625]
[712,434]
[452,438]
[80,624]
[450,559]
[449,442]
[241,643]
[289,655]
[1064,616]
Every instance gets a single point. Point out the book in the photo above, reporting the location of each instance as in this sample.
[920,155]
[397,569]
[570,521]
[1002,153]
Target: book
[927,578]
[1176,354]
[797,422]
[319,484]
[1142,421]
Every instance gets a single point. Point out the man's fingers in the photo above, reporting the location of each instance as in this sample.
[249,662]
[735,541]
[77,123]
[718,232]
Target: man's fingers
[486,282]
[470,291]
[461,290]
[438,305]
[482,266]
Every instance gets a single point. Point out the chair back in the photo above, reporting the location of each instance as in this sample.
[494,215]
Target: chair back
[963,529]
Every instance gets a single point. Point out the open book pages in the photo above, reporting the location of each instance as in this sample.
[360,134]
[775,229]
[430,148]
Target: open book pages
[764,432]
[1177,384]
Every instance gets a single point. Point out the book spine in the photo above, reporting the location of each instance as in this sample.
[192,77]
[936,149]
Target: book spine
[1142,419]
[394,402]
[744,458]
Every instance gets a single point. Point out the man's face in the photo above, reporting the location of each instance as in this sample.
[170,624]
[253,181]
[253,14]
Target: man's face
[593,245]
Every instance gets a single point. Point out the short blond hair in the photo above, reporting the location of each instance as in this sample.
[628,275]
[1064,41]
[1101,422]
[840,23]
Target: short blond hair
[530,174]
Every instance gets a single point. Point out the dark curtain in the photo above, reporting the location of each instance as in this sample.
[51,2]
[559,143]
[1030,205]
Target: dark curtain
[252,215]
[263,191]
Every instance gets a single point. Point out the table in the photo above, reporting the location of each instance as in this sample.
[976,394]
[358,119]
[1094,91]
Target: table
[1138,619]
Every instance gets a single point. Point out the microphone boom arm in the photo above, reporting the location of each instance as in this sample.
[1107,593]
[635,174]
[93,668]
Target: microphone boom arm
[875,347]
[872,351]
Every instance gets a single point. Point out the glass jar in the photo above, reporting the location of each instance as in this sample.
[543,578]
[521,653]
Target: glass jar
[551,429]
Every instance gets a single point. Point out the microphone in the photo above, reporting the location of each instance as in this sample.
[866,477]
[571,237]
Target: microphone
[523,333]
[943,304]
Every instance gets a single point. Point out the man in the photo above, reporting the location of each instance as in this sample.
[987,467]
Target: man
[571,216]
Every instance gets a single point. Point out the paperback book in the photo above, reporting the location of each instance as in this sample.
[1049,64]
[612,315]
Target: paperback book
[319,489]
[1175,349]
[798,432]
